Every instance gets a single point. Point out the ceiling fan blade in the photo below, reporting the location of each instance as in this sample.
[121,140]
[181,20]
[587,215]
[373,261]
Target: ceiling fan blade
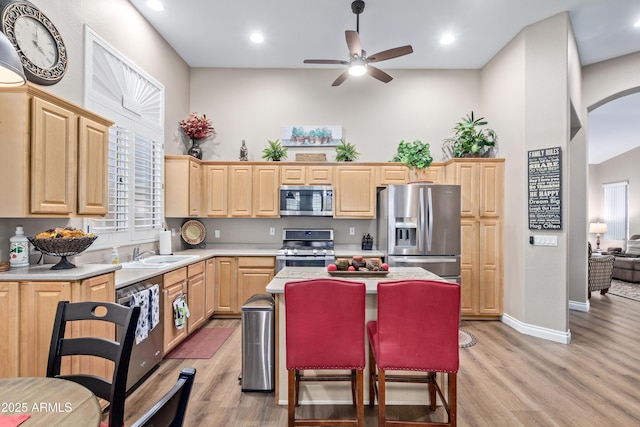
[377,73]
[353,42]
[391,53]
[325,61]
[341,78]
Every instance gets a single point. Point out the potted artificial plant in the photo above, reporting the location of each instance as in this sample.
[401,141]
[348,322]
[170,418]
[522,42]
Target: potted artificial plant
[346,152]
[416,154]
[274,151]
[470,140]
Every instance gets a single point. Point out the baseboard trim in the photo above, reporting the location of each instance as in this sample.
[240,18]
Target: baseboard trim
[579,306]
[537,331]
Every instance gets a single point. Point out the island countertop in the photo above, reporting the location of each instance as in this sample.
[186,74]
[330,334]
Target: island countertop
[287,274]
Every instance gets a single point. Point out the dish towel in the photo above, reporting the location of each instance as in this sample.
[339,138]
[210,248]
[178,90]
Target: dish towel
[180,311]
[13,420]
[154,308]
[141,299]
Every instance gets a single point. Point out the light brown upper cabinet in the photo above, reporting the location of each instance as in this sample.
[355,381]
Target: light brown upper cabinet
[354,192]
[291,174]
[216,185]
[266,191]
[55,156]
[182,186]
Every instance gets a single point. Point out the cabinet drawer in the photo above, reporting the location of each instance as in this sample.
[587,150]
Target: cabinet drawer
[256,261]
[195,269]
[176,276]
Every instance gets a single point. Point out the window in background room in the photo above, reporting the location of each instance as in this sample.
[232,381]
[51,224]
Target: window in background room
[616,210]
[121,91]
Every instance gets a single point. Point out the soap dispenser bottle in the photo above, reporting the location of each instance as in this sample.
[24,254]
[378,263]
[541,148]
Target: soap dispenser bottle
[115,257]
[19,249]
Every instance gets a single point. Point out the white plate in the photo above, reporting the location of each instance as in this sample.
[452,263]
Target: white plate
[193,232]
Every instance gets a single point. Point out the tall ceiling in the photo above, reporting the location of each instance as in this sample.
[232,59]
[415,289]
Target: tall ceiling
[215,33]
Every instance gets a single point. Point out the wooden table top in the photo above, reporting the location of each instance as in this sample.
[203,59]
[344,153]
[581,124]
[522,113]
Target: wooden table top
[49,401]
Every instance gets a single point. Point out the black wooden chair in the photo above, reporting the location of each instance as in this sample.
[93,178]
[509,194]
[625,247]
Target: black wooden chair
[172,408]
[111,389]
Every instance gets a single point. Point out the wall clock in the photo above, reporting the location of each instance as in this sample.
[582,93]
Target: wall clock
[37,41]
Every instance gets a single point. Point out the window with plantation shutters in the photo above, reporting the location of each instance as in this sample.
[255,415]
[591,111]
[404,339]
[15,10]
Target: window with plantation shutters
[121,91]
[616,211]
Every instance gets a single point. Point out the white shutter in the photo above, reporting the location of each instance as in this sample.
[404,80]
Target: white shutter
[616,212]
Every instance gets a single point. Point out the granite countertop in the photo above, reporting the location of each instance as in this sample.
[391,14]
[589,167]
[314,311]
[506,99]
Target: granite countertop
[276,286]
[44,272]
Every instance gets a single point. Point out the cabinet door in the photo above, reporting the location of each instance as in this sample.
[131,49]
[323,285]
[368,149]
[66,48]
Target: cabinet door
[240,191]
[465,174]
[293,175]
[99,288]
[266,191]
[434,173]
[216,182]
[195,188]
[392,174]
[254,274]
[53,158]
[209,285]
[490,274]
[38,304]
[9,329]
[355,196]
[319,175]
[93,160]
[226,291]
[491,189]
[469,286]
[172,335]
[196,294]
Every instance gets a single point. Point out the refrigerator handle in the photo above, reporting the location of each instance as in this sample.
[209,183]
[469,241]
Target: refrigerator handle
[422,224]
[430,216]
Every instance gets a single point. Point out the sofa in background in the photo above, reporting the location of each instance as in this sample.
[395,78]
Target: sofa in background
[626,265]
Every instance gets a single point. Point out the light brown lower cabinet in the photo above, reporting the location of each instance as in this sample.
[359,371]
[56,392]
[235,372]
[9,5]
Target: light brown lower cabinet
[29,310]
[210,291]
[196,291]
[238,278]
[174,284]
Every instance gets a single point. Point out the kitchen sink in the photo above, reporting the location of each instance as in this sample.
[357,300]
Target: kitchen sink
[158,261]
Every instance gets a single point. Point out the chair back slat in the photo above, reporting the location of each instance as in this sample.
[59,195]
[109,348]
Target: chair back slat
[323,315]
[99,347]
[171,409]
[414,318]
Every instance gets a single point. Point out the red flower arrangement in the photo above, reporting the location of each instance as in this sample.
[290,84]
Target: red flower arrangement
[197,127]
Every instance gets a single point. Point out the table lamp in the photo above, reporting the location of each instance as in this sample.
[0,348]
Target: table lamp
[598,228]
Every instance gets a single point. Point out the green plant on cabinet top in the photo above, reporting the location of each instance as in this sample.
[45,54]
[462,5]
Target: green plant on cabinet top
[416,154]
[469,139]
[274,151]
[346,152]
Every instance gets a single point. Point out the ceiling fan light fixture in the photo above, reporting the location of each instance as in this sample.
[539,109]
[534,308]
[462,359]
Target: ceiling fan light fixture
[357,67]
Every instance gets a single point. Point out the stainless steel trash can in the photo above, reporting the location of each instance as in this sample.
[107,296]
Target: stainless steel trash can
[258,352]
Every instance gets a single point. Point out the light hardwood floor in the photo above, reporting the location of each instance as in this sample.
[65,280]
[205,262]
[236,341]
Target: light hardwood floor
[507,379]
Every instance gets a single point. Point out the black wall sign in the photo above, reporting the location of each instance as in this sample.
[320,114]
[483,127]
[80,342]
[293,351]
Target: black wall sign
[545,203]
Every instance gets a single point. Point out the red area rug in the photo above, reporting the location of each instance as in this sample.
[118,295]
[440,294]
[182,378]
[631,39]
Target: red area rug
[202,344]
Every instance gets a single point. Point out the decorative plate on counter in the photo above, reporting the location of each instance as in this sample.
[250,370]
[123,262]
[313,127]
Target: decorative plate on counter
[358,273]
[193,232]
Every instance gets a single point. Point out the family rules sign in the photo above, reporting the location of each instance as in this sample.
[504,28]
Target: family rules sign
[545,203]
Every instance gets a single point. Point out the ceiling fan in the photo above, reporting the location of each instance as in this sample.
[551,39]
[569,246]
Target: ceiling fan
[359,63]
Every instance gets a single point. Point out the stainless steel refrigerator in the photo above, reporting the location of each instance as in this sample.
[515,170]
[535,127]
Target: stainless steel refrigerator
[419,226]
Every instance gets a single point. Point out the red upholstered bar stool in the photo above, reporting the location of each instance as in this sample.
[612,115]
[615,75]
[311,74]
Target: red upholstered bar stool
[325,331]
[416,330]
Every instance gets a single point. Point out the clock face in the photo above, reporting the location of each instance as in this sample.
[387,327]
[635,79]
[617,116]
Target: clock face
[37,41]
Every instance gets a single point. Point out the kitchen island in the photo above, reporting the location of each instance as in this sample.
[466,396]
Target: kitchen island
[338,393]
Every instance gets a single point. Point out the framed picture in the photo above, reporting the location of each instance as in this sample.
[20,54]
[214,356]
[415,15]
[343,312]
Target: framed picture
[311,136]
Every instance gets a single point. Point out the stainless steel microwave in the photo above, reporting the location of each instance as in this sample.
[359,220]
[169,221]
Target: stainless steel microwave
[306,200]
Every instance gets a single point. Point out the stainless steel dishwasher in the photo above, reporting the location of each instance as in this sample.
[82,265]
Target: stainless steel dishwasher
[147,354]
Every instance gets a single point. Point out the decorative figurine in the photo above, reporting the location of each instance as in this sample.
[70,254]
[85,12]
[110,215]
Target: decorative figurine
[244,152]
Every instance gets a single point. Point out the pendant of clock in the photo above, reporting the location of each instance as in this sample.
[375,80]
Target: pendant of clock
[37,41]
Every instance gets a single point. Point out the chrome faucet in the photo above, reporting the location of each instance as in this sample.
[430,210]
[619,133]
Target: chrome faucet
[137,255]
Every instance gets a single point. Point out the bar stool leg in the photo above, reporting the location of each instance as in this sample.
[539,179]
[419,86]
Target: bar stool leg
[353,388]
[297,382]
[372,379]
[432,391]
[291,399]
[360,409]
[382,414]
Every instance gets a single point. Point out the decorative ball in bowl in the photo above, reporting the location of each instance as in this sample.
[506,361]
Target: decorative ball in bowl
[62,247]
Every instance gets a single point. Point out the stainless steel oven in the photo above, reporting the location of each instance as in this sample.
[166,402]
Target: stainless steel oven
[305,248]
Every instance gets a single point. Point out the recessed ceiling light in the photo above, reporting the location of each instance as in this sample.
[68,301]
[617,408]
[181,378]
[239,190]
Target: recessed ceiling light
[155,5]
[257,38]
[447,39]
[637,24]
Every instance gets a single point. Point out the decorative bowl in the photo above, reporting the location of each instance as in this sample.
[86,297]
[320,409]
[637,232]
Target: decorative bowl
[62,247]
